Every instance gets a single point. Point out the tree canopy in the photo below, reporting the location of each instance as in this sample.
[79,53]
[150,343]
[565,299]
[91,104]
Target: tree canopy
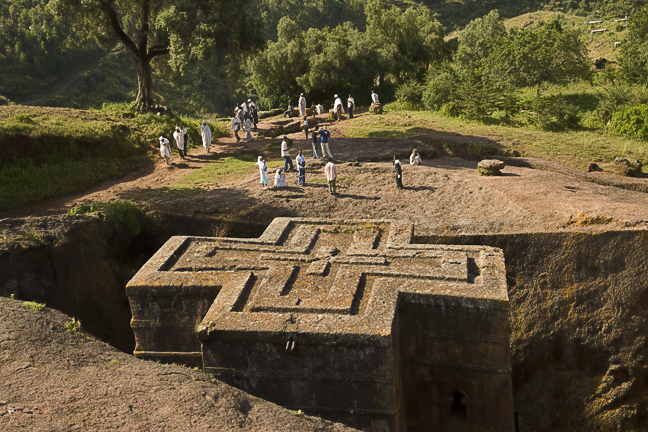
[180,31]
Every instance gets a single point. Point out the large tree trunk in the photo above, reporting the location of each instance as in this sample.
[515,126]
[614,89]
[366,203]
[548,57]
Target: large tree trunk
[144,84]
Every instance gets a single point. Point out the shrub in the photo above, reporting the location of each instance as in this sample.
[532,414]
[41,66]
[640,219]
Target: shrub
[631,122]
[438,91]
[34,306]
[554,114]
[409,95]
[23,118]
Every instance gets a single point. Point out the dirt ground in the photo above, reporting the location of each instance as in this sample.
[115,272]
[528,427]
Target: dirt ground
[54,381]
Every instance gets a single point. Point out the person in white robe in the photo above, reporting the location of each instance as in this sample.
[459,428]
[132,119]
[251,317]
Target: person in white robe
[320,109]
[374,102]
[263,172]
[280,179]
[178,136]
[415,158]
[302,106]
[351,106]
[206,134]
[338,108]
[165,150]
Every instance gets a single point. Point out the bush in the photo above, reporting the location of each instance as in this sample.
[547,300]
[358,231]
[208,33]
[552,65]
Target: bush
[125,212]
[409,95]
[438,91]
[631,122]
[554,114]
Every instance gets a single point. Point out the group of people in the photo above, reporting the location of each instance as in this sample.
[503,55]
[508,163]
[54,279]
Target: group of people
[415,160]
[245,116]
[181,138]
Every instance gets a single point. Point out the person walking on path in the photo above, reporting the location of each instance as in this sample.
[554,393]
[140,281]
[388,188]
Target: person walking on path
[302,106]
[399,173]
[236,125]
[320,109]
[241,115]
[324,138]
[286,155]
[351,106]
[255,113]
[306,126]
[288,112]
[280,179]
[374,102]
[338,109]
[301,166]
[165,150]
[178,136]
[185,136]
[315,139]
[206,134]
[331,175]
[248,127]
[263,172]
[415,158]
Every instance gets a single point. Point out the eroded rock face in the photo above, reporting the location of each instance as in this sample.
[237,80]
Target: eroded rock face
[628,168]
[347,319]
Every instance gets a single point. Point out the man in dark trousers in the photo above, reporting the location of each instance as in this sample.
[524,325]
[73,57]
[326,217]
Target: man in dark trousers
[399,173]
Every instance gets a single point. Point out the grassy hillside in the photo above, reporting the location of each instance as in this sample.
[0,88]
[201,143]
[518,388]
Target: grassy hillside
[51,152]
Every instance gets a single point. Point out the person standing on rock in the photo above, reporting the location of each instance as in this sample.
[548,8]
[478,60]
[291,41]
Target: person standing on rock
[165,149]
[301,166]
[374,102]
[315,140]
[286,155]
[236,124]
[324,141]
[415,158]
[399,173]
[302,106]
[351,106]
[178,136]
[263,172]
[306,126]
[338,108]
[248,127]
[331,175]
[206,134]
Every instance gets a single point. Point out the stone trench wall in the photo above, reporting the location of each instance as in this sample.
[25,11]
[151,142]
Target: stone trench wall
[579,322]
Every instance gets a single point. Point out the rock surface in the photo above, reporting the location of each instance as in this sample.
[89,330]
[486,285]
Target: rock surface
[490,167]
[55,381]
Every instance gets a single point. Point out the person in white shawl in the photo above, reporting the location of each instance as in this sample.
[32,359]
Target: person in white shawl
[415,158]
[165,151]
[302,106]
[280,179]
[338,108]
[206,134]
[178,136]
[263,172]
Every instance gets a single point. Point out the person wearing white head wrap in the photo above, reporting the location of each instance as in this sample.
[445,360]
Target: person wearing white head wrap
[206,134]
[263,172]
[302,106]
[280,179]
[165,151]
[338,108]
[179,139]
[415,158]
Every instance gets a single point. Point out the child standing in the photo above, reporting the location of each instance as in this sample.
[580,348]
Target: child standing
[263,172]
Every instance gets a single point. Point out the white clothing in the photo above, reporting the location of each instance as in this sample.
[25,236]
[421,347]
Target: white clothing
[251,105]
[178,136]
[374,98]
[263,167]
[236,123]
[280,179]
[164,148]
[331,171]
[244,107]
[284,149]
[301,161]
[415,159]
[302,106]
[206,134]
[248,125]
[338,102]
[350,103]
[320,109]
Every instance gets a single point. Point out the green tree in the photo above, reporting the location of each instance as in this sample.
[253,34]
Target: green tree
[479,38]
[180,31]
[633,55]
[549,54]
